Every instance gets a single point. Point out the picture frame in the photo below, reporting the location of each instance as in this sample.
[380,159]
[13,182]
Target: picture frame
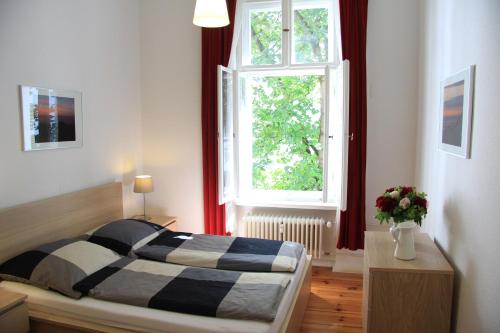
[51,118]
[455,117]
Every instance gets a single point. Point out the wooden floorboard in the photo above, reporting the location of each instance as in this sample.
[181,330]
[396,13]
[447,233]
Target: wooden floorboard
[334,304]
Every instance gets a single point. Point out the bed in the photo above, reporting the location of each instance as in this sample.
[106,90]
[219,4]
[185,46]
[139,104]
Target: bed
[72,214]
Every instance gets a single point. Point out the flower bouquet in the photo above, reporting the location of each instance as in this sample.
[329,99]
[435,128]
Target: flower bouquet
[401,203]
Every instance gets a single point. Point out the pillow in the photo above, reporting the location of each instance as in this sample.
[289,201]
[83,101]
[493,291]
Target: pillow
[124,236]
[58,265]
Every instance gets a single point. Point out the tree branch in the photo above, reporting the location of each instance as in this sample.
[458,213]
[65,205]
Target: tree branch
[309,145]
[257,40]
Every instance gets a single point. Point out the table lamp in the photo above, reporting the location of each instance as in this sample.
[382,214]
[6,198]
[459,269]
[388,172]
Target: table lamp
[144,184]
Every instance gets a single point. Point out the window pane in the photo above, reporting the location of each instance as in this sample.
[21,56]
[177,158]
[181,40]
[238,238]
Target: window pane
[311,31]
[265,36]
[225,135]
[287,149]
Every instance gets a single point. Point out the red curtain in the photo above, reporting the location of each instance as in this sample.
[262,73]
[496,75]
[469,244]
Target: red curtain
[353,18]
[215,50]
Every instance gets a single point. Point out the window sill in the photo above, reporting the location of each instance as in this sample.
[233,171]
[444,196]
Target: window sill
[288,204]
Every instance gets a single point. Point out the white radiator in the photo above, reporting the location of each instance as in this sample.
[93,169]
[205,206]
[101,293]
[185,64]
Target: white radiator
[305,230]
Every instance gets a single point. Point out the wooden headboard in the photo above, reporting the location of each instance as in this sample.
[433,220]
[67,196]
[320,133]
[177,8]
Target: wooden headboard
[68,215]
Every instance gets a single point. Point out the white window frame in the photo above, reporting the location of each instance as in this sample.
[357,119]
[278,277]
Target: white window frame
[328,197]
[287,6]
[337,135]
[227,191]
[332,38]
[244,48]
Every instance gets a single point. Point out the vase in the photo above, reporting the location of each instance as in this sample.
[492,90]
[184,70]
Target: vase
[402,233]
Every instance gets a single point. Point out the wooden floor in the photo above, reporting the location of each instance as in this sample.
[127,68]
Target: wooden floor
[334,304]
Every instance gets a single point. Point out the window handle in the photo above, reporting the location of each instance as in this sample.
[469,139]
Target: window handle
[351,136]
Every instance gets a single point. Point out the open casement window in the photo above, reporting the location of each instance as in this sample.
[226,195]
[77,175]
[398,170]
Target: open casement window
[283,110]
[226,135]
[337,132]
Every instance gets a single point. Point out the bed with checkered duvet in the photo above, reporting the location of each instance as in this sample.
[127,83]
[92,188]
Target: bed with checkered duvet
[192,290]
[223,252]
[225,277]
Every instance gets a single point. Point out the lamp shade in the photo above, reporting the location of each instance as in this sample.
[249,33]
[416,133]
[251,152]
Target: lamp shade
[143,184]
[210,13]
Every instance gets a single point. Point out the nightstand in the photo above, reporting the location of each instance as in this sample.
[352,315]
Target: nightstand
[169,222]
[14,316]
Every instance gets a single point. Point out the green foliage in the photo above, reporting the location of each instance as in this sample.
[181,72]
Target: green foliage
[287,115]
[311,35]
[287,149]
[265,37]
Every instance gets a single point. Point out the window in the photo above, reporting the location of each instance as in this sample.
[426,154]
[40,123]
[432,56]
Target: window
[268,40]
[281,144]
[313,37]
[288,109]
[263,33]
[226,135]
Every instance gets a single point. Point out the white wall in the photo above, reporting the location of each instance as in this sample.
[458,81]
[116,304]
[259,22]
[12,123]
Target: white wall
[171,94]
[391,60]
[86,45]
[464,193]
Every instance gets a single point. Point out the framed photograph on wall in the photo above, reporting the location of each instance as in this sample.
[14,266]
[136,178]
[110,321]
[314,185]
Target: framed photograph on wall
[52,118]
[455,119]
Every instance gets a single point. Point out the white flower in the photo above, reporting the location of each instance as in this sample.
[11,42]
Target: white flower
[404,203]
[394,194]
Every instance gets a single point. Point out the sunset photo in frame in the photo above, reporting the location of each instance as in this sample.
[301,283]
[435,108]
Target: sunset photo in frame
[52,118]
[455,118]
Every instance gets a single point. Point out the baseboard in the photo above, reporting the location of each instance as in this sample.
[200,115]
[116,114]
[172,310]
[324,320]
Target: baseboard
[323,262]
[348,262]
[358,253]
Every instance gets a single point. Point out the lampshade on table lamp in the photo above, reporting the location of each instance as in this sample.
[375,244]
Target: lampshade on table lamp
[143,184]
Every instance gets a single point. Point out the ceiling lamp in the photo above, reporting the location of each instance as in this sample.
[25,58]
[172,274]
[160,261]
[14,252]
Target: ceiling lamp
[210,13]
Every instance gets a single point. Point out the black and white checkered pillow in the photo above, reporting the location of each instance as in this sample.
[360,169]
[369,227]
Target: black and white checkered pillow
[124,236]
[58,265]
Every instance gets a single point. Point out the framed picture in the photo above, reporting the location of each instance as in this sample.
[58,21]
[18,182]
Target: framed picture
[455,119]
[52,118]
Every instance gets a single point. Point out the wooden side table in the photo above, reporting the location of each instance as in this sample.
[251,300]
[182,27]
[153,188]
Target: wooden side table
[14,316]
[405,296]
[169,222]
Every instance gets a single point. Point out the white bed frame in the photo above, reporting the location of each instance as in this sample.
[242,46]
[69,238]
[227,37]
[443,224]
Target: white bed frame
[29,225]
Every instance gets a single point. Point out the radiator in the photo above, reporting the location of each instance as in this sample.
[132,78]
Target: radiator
[305,230]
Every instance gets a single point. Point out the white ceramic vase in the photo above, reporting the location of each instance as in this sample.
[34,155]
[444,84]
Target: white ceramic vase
[402,233]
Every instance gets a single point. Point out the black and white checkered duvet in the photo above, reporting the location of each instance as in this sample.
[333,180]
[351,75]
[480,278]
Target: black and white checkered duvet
[192,290]
[223,252]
